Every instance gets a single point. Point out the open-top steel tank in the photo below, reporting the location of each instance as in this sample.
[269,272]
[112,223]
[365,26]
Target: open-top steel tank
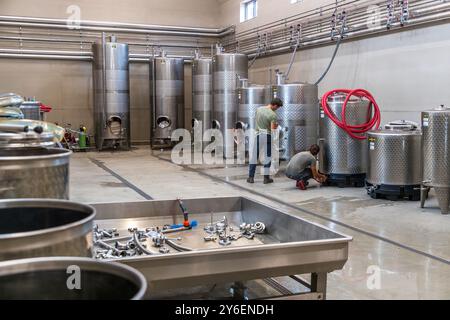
[394,168]
[299,116]
[202,95]
[111,95]
[43,227]
[342,157]
[30,167]
[228,68]
[436,154]
[166,98]
[52,278]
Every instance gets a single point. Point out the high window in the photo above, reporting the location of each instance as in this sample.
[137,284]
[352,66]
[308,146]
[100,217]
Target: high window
[249,9]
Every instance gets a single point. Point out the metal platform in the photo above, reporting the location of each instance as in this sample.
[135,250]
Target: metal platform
[290,246]
[393,193]
[346,180]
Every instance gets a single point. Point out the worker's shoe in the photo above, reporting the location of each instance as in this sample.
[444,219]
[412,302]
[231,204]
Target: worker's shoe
[267,180]
[251,180]
[301,185]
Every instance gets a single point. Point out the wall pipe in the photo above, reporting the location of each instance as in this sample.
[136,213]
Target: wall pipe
[415,22]
[114,26]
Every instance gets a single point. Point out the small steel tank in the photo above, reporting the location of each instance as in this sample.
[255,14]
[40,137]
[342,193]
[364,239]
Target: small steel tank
[42,227]
[202,92]
[167,98]
[251,97]
[436,154]
[111,95]
[394,167]
[299,116]
[49,278]
[343,158]
[228,68]
[31,110]
[31,168]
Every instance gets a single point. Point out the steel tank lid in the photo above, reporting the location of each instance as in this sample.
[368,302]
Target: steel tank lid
[440,109]
[294,84]
[398,128]
[340,97]
[9,140]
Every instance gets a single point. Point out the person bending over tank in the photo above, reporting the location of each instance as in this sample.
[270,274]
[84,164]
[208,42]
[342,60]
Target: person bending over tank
[266,121]
[303,166]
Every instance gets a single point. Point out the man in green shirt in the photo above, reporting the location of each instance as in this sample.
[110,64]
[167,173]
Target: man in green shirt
[266,121]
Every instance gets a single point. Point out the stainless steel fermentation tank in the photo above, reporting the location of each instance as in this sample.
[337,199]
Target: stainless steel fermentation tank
[166,98]
[202,92]
[30,167]
[45,227]
[228,68]
[47,278]
[111,95]
[436,155]
[251,97]
[299,116]
[31,110]
[343,158]
[394,164]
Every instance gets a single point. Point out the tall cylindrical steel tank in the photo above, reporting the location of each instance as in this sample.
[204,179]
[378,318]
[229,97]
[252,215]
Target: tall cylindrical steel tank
[41,228]
[202,92]
[394,168]
[299,116]
[343,158]
[436,154]
[166,98]
[48,278]
[111,95]
[228,68]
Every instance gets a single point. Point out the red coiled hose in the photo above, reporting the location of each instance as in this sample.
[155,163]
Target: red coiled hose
[354,131]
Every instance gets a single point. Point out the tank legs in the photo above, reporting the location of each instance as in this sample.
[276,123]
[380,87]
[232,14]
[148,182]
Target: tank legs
[442,195]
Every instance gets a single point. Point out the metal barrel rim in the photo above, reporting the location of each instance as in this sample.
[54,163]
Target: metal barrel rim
[52,263]
[54,203]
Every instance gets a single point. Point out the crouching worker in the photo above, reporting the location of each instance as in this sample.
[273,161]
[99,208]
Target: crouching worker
[303,166]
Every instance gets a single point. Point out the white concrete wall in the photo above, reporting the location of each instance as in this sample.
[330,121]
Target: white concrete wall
[406,71]
[200,13]
[268,11]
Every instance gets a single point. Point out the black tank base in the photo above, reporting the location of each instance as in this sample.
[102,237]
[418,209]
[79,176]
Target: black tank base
[394,193]
[346,181]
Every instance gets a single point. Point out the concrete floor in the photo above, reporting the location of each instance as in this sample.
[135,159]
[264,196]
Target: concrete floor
[399,251]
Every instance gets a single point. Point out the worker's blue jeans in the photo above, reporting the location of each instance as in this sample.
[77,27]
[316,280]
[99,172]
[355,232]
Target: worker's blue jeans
[265,141]
[305,175]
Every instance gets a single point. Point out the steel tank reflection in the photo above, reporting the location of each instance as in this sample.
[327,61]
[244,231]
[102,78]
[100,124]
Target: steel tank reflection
[111,94]
[436,154]
[299,116]
[167,98]
[394,168]
[202,94]
[343,158]
[228,68]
